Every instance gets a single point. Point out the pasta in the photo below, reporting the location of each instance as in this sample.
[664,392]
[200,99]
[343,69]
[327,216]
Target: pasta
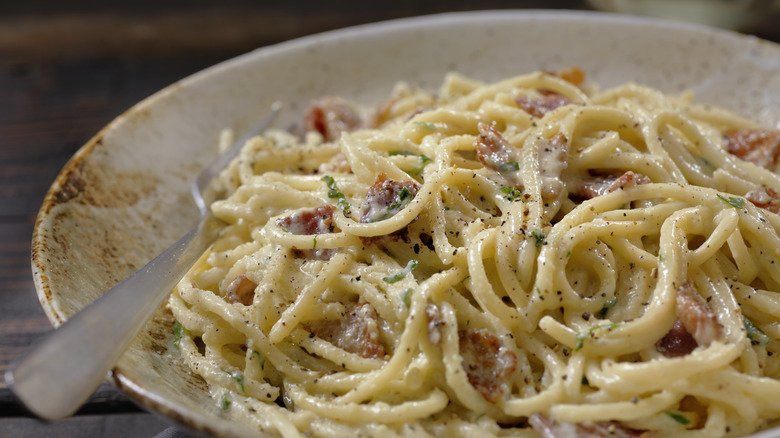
[531,257]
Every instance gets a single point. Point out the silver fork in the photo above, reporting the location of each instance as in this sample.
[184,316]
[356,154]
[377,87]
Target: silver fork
[59,373]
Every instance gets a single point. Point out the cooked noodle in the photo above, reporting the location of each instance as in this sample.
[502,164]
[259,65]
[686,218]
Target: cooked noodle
[513,258]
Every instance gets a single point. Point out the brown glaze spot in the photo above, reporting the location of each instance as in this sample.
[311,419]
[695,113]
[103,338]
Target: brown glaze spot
[73,184]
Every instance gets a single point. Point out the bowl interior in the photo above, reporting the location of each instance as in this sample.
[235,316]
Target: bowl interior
[124,197]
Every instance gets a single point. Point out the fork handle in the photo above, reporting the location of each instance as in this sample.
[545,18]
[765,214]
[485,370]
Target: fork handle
[59,373]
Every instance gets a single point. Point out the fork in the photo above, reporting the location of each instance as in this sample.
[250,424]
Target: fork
[59,373]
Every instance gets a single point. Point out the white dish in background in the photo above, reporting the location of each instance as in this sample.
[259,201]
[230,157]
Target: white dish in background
[124,196]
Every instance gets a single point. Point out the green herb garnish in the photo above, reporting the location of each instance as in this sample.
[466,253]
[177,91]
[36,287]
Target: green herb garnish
[707,163]
[408,297]
[402,152]
[314,243]
[511,193]
[585,334]
[679,417]
[608,306]
[733,201]
[539,236]
[224,403]
[178,332]
[235,375]
[402,273]
[428,125]
[333,192]
[510,166]
[404,196]
[755,334]
[260,359]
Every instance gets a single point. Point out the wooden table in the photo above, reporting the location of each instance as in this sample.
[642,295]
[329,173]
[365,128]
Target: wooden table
[66,71]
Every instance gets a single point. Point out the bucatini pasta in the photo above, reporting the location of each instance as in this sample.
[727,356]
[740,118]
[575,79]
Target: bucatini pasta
[520,258]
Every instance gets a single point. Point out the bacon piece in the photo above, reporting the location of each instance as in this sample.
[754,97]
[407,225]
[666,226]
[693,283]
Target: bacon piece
[766,198]
[330,116]
[553,160]
[602,429]
[241,290]
[494,151]
[677,342]
[434,322]
[357,332]
[487,363]
[601,185]
[318,220]
[386,197]
[759,146]
[538,107]
[573,75]
[696,315]
[308,221]
[337,164]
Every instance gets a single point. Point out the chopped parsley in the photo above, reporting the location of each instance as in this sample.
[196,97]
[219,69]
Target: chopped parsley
[509,166]
[428,125]
[398,276]
[402,152]
[260,359]
[755,334]
[408,297]
[679,417]
[404,196]
[733,201]
[707,163]
[585,334]
[314,243]
[334,193]
[178,332]
[511,193]
[608,305]
[238,377]
[539,236]
[224,403]
[423,160]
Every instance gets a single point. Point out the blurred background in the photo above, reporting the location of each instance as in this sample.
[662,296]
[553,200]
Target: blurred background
[67,68]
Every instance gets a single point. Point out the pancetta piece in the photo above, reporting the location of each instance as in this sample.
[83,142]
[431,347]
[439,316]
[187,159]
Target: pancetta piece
[766,198]
[677,342]
[330,116]
[357,332]
[241,290]
[487,363]
[494,151]
[759,146]
[696,316]
[603,184]
[308,221]
[539,106]
[602,429]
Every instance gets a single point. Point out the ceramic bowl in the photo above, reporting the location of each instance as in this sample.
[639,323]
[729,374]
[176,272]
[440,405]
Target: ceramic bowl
[123,198]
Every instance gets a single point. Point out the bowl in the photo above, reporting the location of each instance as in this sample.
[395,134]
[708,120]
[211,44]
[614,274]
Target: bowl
[123,197]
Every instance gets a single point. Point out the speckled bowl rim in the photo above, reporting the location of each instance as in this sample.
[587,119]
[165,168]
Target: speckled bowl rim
[61,186]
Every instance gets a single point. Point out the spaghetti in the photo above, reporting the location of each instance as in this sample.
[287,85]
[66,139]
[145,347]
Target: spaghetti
[518,258]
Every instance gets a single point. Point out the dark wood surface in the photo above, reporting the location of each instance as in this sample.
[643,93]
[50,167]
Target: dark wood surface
[67,69]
